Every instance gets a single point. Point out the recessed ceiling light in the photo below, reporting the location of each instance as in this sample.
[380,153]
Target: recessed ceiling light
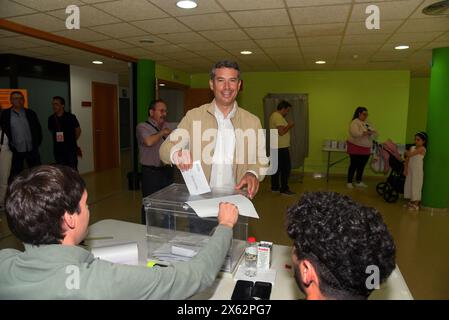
[401,47]
[97,62]
[161,84]
[246,52]
[320,62]
[187,4]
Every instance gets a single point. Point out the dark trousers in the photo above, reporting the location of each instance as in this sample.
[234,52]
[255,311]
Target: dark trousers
[69,159]
[284,168]
[154,179]
[357,165]
[32,159]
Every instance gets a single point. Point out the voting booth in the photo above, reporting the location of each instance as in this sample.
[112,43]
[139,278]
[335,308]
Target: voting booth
[175,232]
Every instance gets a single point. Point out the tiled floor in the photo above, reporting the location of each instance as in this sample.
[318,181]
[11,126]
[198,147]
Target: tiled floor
[422,238]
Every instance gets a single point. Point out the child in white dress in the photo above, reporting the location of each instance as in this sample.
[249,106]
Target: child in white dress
[414,171]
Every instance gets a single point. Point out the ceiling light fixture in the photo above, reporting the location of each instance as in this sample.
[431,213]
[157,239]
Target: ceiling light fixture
[161,84]
[246,52]
[402,47]
[320,62]
[97,62]
[186,4]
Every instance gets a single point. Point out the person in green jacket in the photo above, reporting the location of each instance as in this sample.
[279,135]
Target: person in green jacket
[46,209]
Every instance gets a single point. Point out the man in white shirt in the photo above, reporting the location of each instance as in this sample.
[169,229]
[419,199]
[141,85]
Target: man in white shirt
[223,166]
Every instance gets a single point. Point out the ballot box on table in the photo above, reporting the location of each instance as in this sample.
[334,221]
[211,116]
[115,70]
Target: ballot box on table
[176,233]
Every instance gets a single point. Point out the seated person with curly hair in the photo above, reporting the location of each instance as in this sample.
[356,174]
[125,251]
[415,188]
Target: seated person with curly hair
[335,240]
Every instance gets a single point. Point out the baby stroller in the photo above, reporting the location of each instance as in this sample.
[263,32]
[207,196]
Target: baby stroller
[389,157]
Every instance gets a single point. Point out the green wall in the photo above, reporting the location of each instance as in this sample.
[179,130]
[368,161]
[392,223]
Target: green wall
[166,73]
[333,97]
[418,106]
[146,82]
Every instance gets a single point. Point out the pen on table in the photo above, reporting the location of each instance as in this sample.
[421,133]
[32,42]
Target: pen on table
[151,264]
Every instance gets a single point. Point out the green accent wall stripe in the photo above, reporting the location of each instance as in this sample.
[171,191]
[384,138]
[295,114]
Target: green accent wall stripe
[146,82]
[418,107]
[436,169]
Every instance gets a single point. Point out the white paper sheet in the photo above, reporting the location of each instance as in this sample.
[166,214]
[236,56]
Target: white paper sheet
[209,207]
[120,253]
[196,180]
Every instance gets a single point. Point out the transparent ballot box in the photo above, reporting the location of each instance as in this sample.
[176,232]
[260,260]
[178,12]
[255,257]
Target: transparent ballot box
[176,233]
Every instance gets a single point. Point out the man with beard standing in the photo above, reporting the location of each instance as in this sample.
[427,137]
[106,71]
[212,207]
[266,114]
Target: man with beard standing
[150,135]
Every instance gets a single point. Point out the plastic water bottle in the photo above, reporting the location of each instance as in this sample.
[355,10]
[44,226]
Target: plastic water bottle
[251,257]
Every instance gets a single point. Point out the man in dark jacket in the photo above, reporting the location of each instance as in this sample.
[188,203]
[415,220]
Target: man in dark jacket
[24,133]
[65,129]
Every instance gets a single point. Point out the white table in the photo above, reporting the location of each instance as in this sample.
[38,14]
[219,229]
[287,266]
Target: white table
[285,287]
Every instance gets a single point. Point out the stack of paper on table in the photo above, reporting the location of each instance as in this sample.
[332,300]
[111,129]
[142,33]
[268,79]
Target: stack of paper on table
[192,243]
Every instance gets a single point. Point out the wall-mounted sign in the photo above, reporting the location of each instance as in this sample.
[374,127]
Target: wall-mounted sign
[5,103]
[86,104]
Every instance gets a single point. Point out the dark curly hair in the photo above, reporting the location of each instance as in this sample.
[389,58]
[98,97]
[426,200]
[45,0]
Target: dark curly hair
[341,238]
[38,198]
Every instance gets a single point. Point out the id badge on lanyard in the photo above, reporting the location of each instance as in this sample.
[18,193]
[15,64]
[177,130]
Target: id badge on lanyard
[59,133]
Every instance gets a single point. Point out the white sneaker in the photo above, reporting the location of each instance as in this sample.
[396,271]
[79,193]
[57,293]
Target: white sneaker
[350,186]
[361,185]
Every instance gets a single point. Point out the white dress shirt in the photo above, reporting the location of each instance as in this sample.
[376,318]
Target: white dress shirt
[222,175]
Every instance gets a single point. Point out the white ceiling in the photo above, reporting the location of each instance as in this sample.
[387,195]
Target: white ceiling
[285,35]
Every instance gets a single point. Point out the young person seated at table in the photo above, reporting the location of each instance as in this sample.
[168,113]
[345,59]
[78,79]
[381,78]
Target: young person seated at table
[46,209]
[340,247]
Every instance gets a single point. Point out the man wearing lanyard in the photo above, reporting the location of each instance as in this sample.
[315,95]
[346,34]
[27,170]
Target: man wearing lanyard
[236,161]
[65,130]
[150,135]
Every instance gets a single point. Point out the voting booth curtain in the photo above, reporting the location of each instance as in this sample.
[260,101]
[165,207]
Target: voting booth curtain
[299,114]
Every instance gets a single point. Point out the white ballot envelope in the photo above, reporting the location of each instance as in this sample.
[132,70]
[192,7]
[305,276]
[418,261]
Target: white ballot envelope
[209,207]
[196,180]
